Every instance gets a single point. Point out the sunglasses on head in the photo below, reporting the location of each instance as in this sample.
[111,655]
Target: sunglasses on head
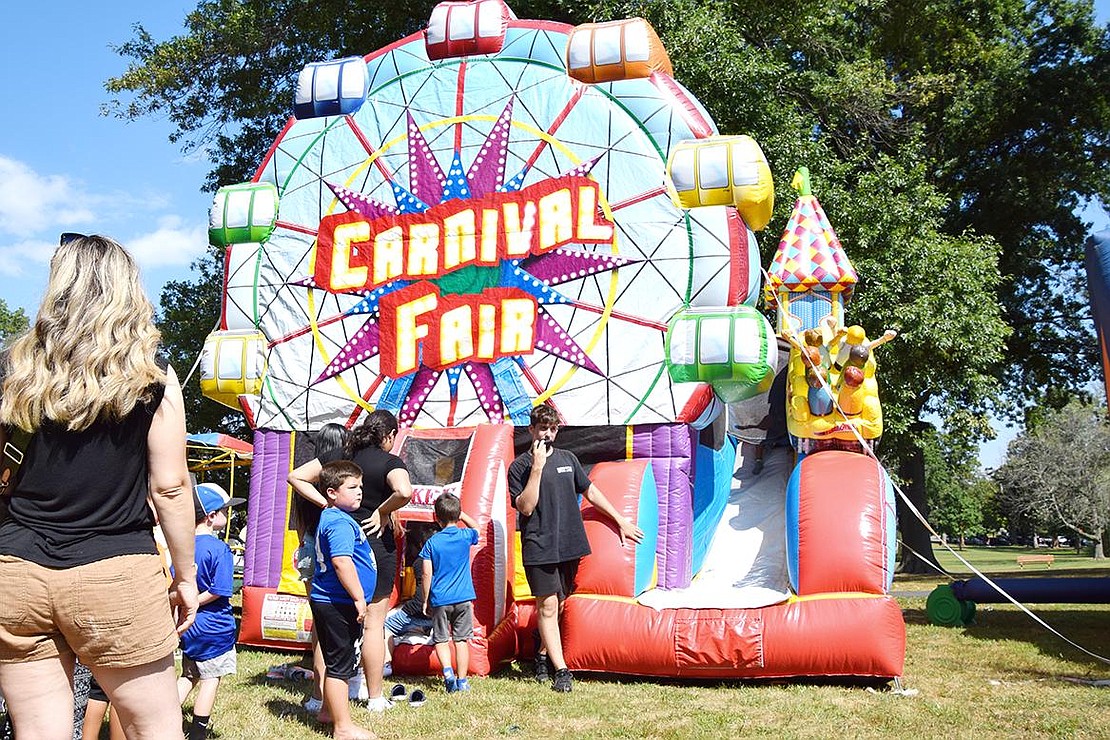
[68,237]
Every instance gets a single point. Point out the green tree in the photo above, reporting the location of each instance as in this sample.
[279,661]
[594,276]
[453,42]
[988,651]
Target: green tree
[188,311]
[950,144]
[12,323]
[958,496]
[1058,472]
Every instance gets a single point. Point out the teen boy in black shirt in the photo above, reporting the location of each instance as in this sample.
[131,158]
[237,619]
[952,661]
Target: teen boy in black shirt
[545,483]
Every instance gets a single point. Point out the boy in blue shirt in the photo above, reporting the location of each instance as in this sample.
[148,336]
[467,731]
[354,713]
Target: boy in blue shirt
[208,646]
[448,588]
[345,574]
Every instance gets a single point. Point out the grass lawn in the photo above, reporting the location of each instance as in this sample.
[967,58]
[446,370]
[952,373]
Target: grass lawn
[1003,676]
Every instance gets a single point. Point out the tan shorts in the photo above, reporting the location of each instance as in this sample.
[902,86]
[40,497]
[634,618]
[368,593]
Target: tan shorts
[114,613]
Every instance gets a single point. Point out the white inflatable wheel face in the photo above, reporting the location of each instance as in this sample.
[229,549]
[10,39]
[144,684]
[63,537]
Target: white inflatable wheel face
[430,132]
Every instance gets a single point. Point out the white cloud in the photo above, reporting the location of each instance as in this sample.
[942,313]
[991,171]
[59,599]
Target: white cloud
[36,207]
[173,243]
[25,257]
[30,202]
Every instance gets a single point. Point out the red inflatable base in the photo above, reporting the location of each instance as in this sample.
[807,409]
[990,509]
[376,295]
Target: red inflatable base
[487,654]
[834,635]
[273,620]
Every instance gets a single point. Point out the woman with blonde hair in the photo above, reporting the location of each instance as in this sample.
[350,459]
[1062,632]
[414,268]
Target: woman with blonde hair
[101,424]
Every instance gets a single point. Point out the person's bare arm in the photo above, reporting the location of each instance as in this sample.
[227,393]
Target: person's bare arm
[401,487]
[426,584]
[467,520]
[530,496]
[303,480]
[347,574]
[171,492]
[626,529]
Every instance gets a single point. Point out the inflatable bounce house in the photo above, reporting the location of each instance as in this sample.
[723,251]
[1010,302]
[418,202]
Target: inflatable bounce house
[495,213]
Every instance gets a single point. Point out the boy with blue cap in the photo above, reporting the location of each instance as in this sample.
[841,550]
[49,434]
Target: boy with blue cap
[208,646]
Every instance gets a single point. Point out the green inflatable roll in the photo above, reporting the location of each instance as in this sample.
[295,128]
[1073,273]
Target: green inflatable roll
[945,609]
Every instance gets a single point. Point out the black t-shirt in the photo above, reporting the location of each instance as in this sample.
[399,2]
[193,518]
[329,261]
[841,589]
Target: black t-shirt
[553,532]
[376,464]
[81,496]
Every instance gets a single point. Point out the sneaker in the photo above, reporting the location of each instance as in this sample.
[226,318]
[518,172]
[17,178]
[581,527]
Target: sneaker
[451,684]
[564,680]
[313,706]
[387,669]
[543,668]
[379,704]
[398,693]
[462,684]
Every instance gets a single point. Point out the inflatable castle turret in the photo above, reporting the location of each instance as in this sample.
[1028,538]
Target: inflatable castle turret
[495,213]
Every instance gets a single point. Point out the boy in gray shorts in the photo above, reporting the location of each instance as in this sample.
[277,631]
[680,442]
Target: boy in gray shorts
[449,589]
[208,647]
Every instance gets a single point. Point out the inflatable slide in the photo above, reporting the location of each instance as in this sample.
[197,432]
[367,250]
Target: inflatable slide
[495,213]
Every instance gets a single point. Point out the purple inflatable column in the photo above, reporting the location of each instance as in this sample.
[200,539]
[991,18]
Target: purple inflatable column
[670,448]
[266,508]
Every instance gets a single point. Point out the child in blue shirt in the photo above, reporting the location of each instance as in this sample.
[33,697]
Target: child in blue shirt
[208,646]
[448,588]
[345,574]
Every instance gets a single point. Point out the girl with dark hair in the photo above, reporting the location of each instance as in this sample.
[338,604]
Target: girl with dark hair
[385,489]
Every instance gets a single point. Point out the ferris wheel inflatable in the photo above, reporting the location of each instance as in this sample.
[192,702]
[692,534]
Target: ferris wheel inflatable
[497,213]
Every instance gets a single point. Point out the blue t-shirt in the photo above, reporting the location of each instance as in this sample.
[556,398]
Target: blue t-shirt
[337,535]
[449,552]
[213,632]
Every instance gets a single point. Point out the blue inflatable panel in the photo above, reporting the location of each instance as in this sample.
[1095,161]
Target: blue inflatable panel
[1098,285]
[891,526]
[792,505]
[647,519]
[1036,590]
[712,484]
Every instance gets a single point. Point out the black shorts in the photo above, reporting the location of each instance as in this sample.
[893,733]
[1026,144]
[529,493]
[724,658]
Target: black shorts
[95,692]
[385,560]
[552,578]
[337,629]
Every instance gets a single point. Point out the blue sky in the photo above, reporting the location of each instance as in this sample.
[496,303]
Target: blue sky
[64,167]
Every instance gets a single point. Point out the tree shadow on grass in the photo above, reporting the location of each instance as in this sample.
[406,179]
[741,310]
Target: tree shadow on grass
[1005,623]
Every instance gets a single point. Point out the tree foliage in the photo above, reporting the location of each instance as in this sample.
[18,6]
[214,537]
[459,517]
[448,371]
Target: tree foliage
[950,143]
[958,496]
[1058,472]
[188,312]
[12,323]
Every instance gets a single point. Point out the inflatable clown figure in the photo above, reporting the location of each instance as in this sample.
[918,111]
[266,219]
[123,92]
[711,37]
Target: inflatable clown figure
[489,215]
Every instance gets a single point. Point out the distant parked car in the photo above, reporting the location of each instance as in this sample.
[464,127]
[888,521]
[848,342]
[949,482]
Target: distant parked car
[976,540]
[999,541]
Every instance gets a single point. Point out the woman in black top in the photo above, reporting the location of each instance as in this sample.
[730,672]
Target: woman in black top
[385,489]
[103,428]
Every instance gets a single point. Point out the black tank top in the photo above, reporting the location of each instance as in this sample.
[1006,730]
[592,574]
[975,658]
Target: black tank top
[376,465]
[81,496]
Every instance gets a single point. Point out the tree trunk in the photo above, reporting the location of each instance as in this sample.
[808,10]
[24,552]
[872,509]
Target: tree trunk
[915,537]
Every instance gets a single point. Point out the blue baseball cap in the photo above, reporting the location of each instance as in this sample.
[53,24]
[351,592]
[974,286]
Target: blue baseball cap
[212,497]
